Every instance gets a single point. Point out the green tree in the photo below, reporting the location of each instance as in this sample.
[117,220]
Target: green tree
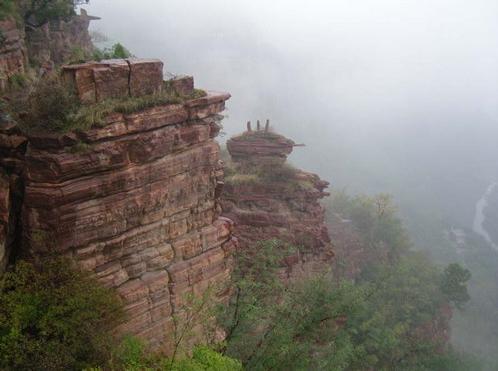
[454,284]
[132,355]
[375,218]
[38,12]
[54,316]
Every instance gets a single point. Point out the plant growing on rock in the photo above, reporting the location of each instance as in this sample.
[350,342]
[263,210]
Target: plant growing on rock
[54,316]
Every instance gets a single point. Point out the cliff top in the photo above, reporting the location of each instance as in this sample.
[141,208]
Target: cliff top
[90,95]
[260,145]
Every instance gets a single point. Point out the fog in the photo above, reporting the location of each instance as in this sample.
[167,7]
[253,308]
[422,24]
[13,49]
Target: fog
[388,95]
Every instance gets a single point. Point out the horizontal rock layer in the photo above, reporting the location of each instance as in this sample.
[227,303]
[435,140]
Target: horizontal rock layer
[265,207]
[136,202]
[259,146]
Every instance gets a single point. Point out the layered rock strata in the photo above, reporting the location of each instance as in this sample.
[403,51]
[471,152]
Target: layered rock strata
[267,199]
[134,200]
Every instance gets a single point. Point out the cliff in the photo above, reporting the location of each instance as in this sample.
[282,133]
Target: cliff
[13,52]
[56,40]
[134,200]
[25,45]
[268,199]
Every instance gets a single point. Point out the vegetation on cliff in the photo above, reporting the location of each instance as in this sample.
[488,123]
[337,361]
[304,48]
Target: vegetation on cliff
[54,316]
[51,106]
[37,12]
[393,317]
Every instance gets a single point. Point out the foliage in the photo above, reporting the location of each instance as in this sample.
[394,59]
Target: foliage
[205,359]
[18,81]
[117,51]
[38,12]
[132,355]
[393,317]
[52,106]
[55,317]
[375,218]
[272,173]
[327,325]
[48,105]
[454,284]
[7,9]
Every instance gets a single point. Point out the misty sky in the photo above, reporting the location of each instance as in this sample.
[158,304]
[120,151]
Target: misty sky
[374,88]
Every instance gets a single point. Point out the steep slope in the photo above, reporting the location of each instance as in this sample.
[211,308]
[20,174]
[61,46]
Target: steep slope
[134,200]
[268,199]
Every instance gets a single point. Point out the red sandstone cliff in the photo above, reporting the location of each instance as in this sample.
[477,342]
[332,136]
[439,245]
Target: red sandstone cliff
[13,52]
[268,199]
[45,45]
[138,205]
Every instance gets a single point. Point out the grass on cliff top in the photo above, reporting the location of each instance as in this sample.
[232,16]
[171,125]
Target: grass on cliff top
[52,107]
[278,174]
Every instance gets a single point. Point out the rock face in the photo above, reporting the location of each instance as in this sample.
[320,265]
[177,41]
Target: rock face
[259,147]
[134,201]
[13,53]
[99,81]
[56,40]
[45,45]
[267,199]
[12,149]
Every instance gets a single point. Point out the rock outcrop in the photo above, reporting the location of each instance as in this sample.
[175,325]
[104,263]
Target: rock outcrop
[268,199]
[44,46]
[134,200]
[13,53]
[56,40]
[98,81]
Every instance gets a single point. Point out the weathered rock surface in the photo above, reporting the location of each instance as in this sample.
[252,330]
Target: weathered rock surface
[134,201]
[118,78]
[13,53]
[56,40]
[259,146]
[268,200]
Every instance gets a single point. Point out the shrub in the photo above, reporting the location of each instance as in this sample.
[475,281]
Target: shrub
[39,12]
[117,51]
[48,106]
[54,316]
[454,284]
[7,9]
[131,355]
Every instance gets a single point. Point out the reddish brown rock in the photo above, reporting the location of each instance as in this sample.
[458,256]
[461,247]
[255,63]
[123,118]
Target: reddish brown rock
[182,85]
[13,54]
[267,199]
[258,146]
[54,42]
[146,76]
[98,81]
[137,204]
